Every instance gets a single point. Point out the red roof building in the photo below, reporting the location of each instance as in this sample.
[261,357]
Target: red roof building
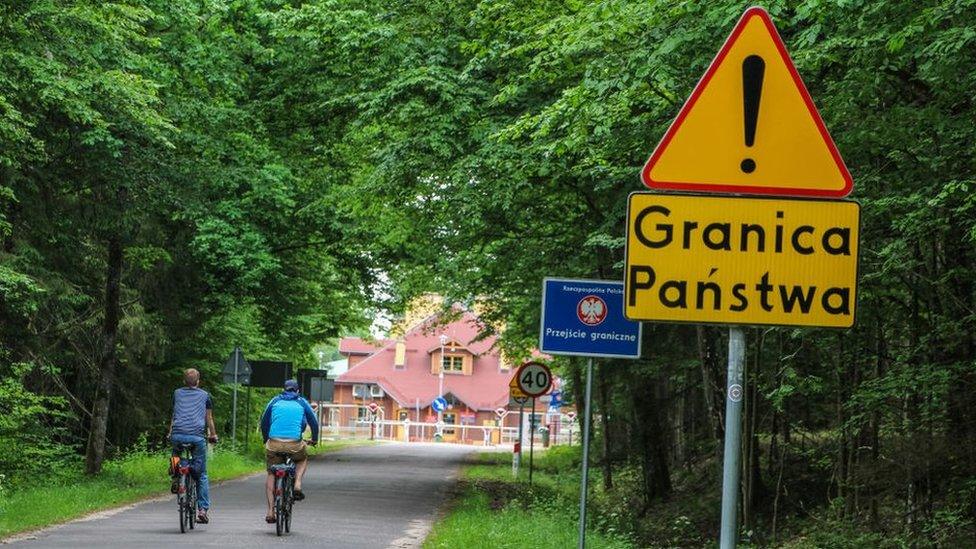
[402,376]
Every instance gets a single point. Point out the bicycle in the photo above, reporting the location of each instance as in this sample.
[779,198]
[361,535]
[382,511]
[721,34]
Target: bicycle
[186,495]
[284,492]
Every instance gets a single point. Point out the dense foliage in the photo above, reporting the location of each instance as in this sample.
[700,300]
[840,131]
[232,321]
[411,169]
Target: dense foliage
[489,144]
[248,170]
[149,220]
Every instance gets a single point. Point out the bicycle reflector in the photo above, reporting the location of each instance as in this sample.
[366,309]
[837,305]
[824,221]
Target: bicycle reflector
[280,473]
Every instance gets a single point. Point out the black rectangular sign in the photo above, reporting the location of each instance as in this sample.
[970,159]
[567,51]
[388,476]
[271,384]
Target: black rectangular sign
[269,373]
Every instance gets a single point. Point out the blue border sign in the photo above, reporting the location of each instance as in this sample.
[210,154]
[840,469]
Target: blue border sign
[586,318]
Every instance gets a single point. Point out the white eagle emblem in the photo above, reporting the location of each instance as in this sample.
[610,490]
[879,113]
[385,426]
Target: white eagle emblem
[591,310]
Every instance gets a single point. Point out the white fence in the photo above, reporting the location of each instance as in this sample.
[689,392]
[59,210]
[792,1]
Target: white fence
[370,426]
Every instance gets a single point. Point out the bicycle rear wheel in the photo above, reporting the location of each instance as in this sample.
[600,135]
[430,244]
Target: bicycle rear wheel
[279,507]
[288,503]
[191,497]
[181,500]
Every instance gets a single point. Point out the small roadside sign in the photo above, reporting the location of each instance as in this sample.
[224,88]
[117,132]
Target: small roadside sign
[373,407]
[570,416]
[741,260]
[439,404]
[514,390]
[238,366]
[534,379]
[501,412]
[750,126]
[586,318]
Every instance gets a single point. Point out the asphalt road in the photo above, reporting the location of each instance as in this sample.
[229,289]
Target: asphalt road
[383,496]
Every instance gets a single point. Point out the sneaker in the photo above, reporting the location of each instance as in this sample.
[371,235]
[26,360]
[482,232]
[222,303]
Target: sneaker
[297,495]
[202,516]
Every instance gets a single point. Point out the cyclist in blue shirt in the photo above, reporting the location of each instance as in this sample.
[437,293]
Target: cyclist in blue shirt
[192,417]
[282,425]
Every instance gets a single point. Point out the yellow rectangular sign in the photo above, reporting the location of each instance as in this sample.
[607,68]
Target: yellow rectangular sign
[739,260]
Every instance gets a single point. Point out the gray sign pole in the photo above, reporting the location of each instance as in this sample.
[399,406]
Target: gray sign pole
[531,438]
[233,421]
[733,428]
[586,454]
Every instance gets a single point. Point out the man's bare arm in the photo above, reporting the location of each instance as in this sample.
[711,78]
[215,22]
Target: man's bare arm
[210,424]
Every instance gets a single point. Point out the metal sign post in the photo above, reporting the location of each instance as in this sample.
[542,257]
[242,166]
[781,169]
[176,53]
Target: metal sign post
[586,454]
[521,425]
[733,427]
[531,438]
[236,371]
[247,418]
[233,421]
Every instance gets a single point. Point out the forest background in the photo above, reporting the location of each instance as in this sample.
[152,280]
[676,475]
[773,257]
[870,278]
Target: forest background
[181,176]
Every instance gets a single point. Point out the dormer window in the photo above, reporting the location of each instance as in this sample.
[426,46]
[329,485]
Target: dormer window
[458,362]
[453,364]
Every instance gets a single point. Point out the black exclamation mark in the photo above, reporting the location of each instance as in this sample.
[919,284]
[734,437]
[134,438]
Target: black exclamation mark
[753,68]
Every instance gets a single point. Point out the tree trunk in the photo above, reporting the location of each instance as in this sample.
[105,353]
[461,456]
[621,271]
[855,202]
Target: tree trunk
[881,352]
[651,438]
[754,491]
[714,396]
[579,398]
[95,454]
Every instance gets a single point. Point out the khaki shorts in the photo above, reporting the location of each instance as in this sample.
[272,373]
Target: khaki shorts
[294,447]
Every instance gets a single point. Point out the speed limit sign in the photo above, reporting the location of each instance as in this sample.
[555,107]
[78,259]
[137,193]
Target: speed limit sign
[534,379]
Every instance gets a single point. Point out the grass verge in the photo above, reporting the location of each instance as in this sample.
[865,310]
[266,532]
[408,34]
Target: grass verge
[131,478]
[492,509]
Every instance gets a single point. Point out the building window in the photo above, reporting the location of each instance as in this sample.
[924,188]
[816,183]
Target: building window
[452,363]
[360,391]
[450,418]
[363,414]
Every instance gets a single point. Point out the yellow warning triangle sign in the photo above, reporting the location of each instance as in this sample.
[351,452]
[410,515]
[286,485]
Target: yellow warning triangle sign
[514,390]
[750,126]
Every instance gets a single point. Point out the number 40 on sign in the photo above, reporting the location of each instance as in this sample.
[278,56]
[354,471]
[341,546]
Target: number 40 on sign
[534,379]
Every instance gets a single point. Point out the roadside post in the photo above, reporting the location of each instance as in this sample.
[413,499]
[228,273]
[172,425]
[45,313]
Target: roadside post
[571,416]
[517,396]
[531,438]
[533,379]
[236,371]
[372,420]
[766,259]
[586,318]
[247,417]
[517,449]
